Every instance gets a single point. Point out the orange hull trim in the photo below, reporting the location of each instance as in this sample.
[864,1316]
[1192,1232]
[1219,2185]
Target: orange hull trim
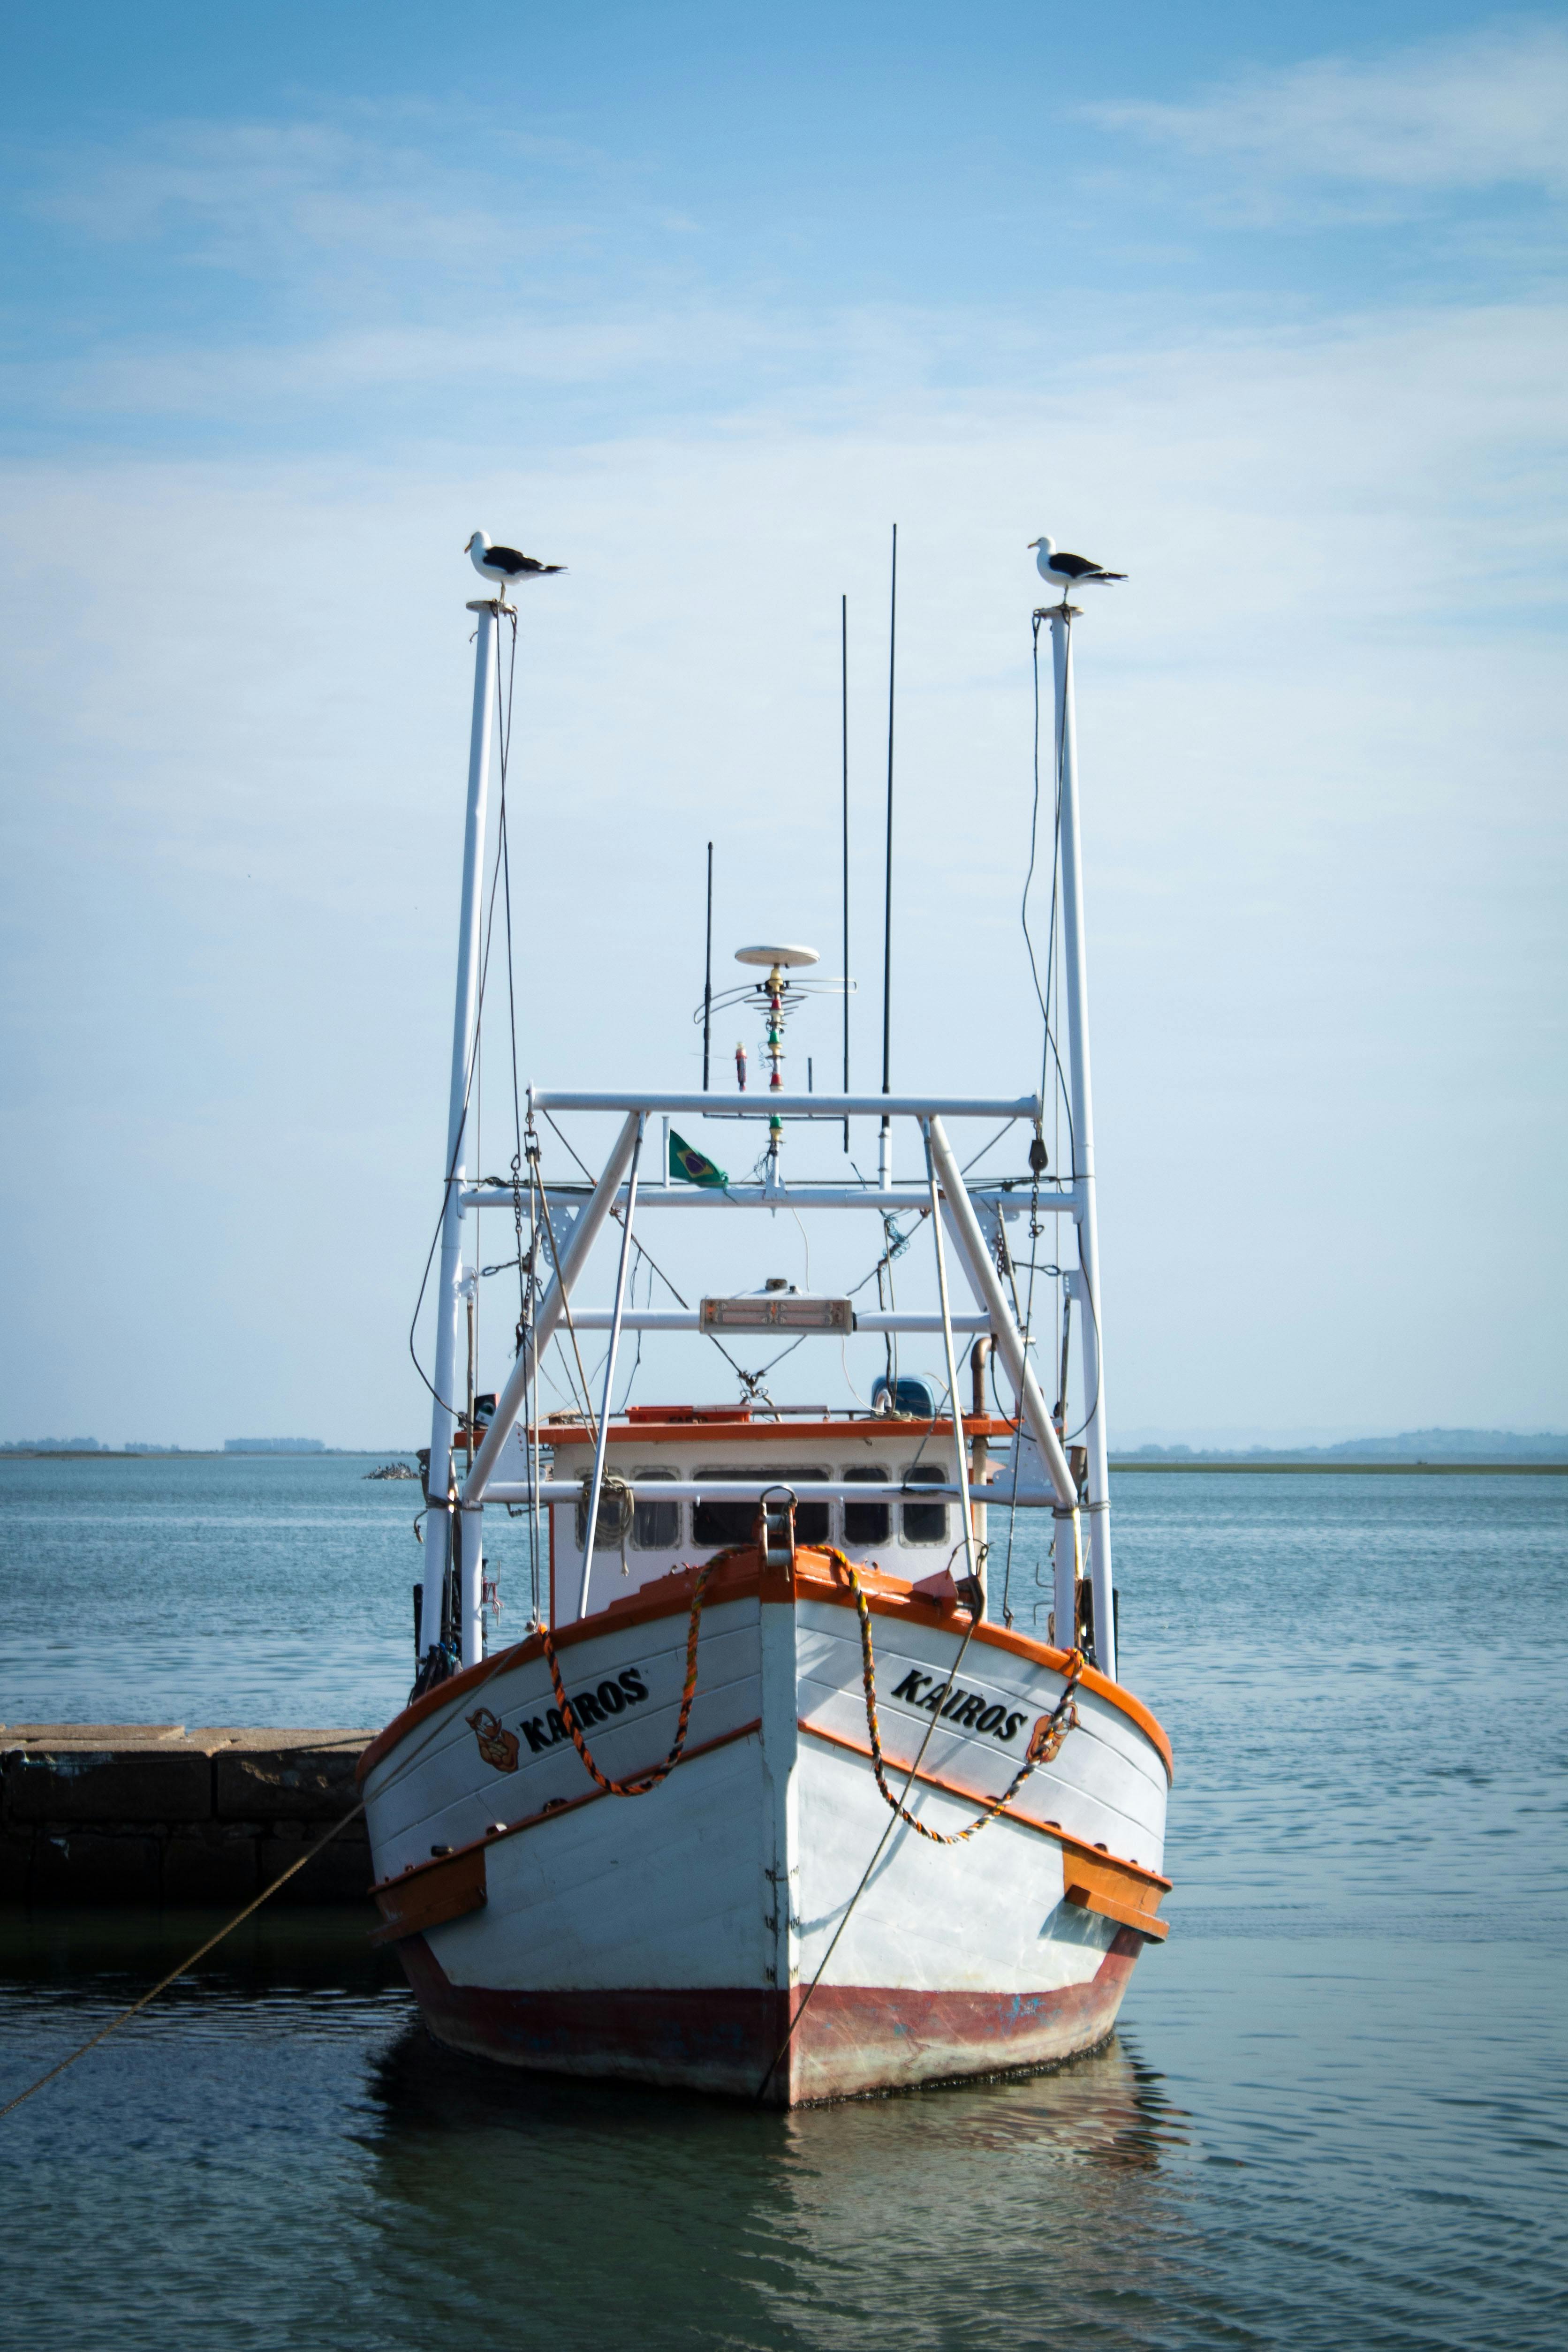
[814,1576]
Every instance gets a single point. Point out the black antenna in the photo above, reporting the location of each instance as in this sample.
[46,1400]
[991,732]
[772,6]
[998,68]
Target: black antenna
[844,714]
[888,881]
[708,975]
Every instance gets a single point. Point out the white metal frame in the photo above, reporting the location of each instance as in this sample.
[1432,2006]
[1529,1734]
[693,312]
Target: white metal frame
[1013,1200]
[947,1191]
[1086,1211]
[439,1527]
[831,1108]
[617,1314]
[659,1318]
[556,1491]
[615,1192]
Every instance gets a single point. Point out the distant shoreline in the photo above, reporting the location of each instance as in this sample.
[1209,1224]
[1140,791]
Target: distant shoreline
[202,1454]
[1356,1469]
[1225,1467]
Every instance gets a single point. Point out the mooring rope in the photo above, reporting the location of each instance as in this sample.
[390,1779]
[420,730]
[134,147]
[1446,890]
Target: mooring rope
[639,1785]
[493,1666]
[199,1954]
[1045,1744]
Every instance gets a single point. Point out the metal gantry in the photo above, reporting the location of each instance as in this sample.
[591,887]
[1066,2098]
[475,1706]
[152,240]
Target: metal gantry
[961,1219]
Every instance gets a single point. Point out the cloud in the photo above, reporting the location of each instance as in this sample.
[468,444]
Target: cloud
[1446,117]
[1322,731]
[395,184]
[1320,740]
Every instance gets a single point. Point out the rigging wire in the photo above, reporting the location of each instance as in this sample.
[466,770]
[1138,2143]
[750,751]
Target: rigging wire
[884,1144]
[888,870]
[637,1359]
[1093,1406]
[984,1148]
[470,1287]
[566,1309]
[745,1379]
[504,708]
[806,1246]
[708,976]
[1018,1434]
[1057,947]
[523,1273]
[843,727]
[531,1420]
[468,1082]
[1049,1051]
[897,1242]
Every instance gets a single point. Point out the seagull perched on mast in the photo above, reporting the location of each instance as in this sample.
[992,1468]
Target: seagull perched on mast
[1068,571]
[505,564]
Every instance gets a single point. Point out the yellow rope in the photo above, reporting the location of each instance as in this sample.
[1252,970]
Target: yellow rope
[643,1782]
[1045,1743]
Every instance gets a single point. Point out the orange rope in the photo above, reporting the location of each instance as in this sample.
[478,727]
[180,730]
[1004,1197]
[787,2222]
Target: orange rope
[1045,1744]
[641,1785]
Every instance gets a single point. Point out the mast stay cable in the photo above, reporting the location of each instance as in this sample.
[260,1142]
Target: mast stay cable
[502,606]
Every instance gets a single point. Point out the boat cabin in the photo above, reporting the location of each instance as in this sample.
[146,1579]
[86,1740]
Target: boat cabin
[703,1451]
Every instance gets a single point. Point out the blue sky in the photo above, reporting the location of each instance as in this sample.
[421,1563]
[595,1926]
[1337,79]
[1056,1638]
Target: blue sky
[1269,310]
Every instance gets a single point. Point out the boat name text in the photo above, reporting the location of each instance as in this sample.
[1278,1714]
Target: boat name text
[601,1705]
[965,1710]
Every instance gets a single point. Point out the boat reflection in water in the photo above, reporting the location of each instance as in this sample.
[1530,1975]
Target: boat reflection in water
[659,2219]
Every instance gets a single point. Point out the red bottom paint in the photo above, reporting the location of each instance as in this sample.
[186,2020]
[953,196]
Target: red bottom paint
[850,2038]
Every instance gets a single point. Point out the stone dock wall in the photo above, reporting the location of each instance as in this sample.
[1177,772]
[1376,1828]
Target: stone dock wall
[154,1814]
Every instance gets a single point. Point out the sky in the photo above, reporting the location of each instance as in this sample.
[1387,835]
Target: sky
[1266,310]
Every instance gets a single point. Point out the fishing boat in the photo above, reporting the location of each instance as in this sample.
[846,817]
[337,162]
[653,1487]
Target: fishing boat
[772,1798]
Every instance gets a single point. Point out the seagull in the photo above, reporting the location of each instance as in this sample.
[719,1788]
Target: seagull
[1070,570]
[505,564]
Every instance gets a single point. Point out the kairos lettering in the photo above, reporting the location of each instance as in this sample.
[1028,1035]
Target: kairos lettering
[965,1710]
[600,1705]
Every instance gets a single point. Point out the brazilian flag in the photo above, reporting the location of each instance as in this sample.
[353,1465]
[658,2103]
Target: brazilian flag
[689,1167]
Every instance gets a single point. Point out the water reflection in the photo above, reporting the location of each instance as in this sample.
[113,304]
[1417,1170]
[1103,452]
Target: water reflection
[639,2211]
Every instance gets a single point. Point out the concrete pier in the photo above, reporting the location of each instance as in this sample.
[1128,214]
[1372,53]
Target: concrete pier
[103,1813]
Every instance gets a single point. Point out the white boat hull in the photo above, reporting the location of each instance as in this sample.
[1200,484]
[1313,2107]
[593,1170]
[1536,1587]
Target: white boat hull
[722,1931]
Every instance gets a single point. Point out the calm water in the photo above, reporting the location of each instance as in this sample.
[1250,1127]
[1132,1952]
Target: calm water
[1333,2115]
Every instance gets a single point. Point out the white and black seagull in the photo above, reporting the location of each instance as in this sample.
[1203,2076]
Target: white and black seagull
[1070,570]
[506,564]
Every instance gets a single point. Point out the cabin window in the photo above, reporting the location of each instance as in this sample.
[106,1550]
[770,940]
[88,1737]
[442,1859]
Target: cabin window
[866,1523]
[925,1523]
[656,1526]
[714,1525]
[810,1518]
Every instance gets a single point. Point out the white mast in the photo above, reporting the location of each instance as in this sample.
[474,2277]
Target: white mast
[1086,1288]
[439,1529]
